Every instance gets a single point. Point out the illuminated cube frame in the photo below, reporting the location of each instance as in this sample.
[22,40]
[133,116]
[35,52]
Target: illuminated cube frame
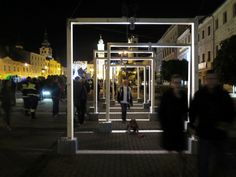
[150,68]
[193,65]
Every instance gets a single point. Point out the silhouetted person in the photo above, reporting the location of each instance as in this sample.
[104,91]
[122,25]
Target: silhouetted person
[124,97]
[24,90]
[56,96]
[211,112]
[80,99]
[6,98]
[33,96]
[173,114]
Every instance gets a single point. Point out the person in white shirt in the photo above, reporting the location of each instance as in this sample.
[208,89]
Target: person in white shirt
[124,97]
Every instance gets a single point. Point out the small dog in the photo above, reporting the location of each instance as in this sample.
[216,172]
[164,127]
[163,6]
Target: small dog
[132,126]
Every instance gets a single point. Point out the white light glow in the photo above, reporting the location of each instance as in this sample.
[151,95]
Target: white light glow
[140,131]
[46,93]
[119,120]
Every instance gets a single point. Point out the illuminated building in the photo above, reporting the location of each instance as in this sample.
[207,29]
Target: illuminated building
[24,63]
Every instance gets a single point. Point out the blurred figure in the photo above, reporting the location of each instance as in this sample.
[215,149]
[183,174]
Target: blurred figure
[124,97]
[173,114]
[24,90]
[6,96]
[33,96]
[80,98]
[211,113]
[56,95]
[13,92]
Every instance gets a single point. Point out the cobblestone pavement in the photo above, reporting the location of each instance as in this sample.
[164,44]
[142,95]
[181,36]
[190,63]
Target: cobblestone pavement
[29,150]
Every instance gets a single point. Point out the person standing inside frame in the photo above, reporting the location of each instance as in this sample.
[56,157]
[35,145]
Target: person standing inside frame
[124,97]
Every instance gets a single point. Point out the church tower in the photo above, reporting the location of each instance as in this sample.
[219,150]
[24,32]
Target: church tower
[45,49]
[100,46]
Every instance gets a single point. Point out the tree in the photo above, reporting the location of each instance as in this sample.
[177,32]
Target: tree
[175,66]
[225,62]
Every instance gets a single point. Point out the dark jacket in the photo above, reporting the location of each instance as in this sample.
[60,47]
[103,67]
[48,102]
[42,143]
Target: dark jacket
[210,109]
[120,95]
[6,98]
[172,113]
[80,94]
[56,91]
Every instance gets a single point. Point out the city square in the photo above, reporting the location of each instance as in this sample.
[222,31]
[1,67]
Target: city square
[66,113]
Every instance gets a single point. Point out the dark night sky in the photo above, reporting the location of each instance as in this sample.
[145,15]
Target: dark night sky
[26,21]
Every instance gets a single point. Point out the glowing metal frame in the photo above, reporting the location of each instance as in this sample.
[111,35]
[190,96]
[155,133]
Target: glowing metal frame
[115,58]
[193,72]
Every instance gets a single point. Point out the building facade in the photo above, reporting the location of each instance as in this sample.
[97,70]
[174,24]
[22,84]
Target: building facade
[170,37]
[212,30]
[23,63]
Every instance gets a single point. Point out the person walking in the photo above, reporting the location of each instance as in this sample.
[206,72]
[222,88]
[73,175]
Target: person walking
[211,113]
[124,97]
[173,110]
[56,95]
[80,99]
[33,96]
[24,90]
[6,98]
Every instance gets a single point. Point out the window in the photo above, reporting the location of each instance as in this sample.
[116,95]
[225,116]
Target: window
[217,23]
[203,57]
[203,34]
[217,49]
[9,68]
[209,56]
[4,68]
[209,30]
[234,10]
[224,17]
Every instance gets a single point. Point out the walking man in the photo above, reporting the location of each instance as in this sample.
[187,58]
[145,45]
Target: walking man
[124,97]
[211,113]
